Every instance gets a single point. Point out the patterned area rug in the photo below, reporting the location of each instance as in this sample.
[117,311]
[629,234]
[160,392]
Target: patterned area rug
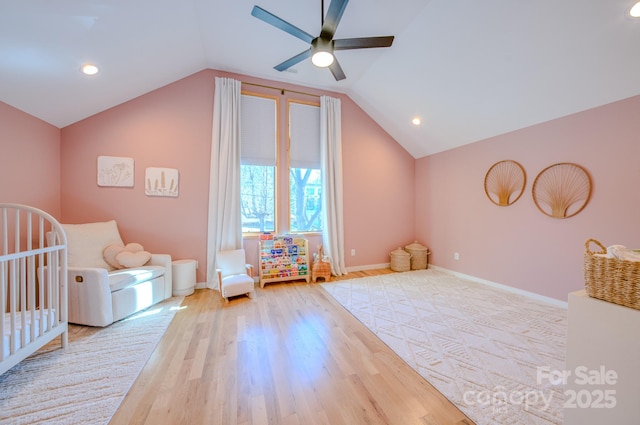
[486,349]
[86,383]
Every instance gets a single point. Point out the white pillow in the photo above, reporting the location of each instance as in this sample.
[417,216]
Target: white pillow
[109,254]
[86,243]
[129,259]
[231,262]
[134,247]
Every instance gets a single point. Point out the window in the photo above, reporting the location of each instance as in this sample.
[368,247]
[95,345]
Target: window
[258,135]
[268,191]
[305,177]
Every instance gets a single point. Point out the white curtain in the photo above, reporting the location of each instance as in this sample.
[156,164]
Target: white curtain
[331,162]
[225,221]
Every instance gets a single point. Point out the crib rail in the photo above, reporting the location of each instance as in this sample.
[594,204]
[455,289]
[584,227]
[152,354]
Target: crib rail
[33,282]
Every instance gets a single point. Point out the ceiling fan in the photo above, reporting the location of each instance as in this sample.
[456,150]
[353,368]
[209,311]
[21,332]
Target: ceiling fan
[322,46]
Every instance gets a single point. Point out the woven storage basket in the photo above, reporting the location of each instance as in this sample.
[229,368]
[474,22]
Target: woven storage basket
[400,260]
[321,269]
[610,279]
[419,255]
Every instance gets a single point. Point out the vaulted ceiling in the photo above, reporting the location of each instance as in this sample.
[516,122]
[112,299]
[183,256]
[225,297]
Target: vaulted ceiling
[469,69]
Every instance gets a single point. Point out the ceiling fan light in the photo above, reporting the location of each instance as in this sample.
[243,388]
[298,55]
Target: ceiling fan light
[322,59]
[635,10]
[322,52]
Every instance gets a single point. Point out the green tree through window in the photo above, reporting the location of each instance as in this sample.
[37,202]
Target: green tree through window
[305,199]
[257,198]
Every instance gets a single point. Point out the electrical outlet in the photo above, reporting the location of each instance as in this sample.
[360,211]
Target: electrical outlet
[353,252]
[456,255]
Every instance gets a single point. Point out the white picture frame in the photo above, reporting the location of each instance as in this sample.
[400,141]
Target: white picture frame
[161,182]
[115,171]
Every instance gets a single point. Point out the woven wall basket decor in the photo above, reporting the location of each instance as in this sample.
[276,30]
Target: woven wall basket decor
[562,190]
[504,182]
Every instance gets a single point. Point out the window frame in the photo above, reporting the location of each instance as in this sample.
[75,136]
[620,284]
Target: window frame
[282,178]
[288,116]
[276,178]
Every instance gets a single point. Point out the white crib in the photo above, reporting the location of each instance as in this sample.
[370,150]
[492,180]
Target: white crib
[33,282]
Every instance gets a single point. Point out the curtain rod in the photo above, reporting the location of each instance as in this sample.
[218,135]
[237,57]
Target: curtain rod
[280,89]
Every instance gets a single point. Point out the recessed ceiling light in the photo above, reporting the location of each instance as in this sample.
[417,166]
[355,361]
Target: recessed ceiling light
[416,121]
[89,69]
[635,10]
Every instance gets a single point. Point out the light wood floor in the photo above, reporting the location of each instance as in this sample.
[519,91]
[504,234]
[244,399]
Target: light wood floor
[292,355]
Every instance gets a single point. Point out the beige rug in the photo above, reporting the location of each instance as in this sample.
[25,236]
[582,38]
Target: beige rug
[86,383]
[479,346]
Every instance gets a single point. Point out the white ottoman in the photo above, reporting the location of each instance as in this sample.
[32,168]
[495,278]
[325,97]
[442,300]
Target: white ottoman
[184,276]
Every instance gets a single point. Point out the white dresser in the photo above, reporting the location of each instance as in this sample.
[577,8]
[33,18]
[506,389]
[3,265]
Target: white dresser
[603,359]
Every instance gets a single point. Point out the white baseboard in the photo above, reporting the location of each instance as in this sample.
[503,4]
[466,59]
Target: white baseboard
[548,300]
[533,295]
[368,267]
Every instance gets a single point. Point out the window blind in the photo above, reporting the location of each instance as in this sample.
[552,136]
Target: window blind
[304,136]
[257,130]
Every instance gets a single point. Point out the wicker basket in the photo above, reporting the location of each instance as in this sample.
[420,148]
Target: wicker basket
[321,269]
[610,279]
[419,255]
[400,260]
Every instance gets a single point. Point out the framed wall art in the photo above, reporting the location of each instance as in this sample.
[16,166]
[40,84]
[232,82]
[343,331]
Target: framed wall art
[562,190]
[504,182]
[114,171]
[161,182]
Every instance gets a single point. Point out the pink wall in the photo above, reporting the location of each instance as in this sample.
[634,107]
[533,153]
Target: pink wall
[388,195]
[379,183]
[29,160]
[171,127]
[518,245]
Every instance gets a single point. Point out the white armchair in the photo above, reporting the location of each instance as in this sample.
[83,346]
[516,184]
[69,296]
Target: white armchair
[235,276]
[100,294]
